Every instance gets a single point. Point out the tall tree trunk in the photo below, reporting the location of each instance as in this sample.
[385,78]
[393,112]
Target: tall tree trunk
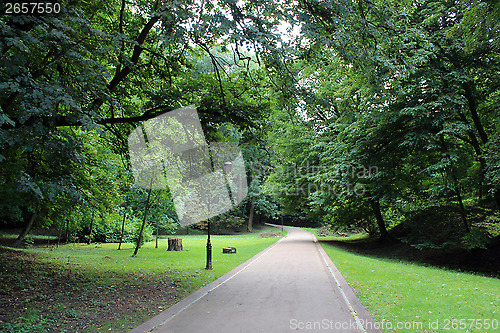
[66,237]
[479,154]
[250,218]
[374,203]
[29,220]
[143,223]
[156,246]
[91,226]
[471,100]
[123,229]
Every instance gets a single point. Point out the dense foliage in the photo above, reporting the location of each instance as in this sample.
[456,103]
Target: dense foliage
[355,113]
[395,110]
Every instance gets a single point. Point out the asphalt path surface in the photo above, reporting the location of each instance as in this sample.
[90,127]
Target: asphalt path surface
[291,286]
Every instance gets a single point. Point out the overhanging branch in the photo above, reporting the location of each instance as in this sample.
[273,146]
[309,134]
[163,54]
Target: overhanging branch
[63,122]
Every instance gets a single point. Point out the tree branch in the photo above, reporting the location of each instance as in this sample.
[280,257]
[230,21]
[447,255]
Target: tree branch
[63,122]
[119,76]
[97,103]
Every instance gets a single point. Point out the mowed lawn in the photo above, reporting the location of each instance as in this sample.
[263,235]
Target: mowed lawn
[105,259]
[408,297]
[96,288]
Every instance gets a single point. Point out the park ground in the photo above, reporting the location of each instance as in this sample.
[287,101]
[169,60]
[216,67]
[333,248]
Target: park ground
[95,288]
[409,290]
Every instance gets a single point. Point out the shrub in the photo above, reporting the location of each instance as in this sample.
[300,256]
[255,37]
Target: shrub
[107,228]
[476,239]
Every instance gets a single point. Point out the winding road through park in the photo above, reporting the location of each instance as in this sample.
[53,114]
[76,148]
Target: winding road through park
[291,286]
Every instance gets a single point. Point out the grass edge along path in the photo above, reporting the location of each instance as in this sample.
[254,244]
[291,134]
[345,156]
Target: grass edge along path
[102,267]
[408,297]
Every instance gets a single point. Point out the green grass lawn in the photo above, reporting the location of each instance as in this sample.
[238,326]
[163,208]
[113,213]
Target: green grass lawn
[441,300]
[96,288]
[105,260]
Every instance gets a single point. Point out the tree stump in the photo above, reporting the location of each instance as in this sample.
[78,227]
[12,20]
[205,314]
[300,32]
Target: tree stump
[175,244]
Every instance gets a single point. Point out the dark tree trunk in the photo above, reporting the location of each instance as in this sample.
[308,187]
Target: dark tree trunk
[29,220]
[123,229]
[138,245]
[471,100]
[473,141]
[378,216]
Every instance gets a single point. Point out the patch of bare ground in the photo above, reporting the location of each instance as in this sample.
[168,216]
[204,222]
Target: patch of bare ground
[269,234]
[66,300]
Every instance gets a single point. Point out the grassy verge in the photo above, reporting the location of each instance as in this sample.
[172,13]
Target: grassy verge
[419,298]
[94,288]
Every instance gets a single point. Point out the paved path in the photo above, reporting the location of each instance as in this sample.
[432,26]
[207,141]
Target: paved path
[291,286]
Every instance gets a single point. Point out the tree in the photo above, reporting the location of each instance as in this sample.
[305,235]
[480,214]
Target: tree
[408,98]
[102,67]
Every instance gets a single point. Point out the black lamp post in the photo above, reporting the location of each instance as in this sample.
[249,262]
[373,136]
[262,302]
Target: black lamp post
[227,169]
[209,250]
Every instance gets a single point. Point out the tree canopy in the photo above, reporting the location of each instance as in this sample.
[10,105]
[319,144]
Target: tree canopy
[356,113]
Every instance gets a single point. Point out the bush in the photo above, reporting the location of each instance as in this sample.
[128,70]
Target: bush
[107,228]
[29,241]
[435,227]
[351,213]
[440,227]
[228,221]
[476,239]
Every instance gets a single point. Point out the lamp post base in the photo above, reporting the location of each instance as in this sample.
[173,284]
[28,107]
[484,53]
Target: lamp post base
[209,250]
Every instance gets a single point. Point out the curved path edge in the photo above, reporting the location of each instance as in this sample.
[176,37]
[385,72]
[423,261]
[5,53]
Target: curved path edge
[365,322]
[358,311]
[180,306]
